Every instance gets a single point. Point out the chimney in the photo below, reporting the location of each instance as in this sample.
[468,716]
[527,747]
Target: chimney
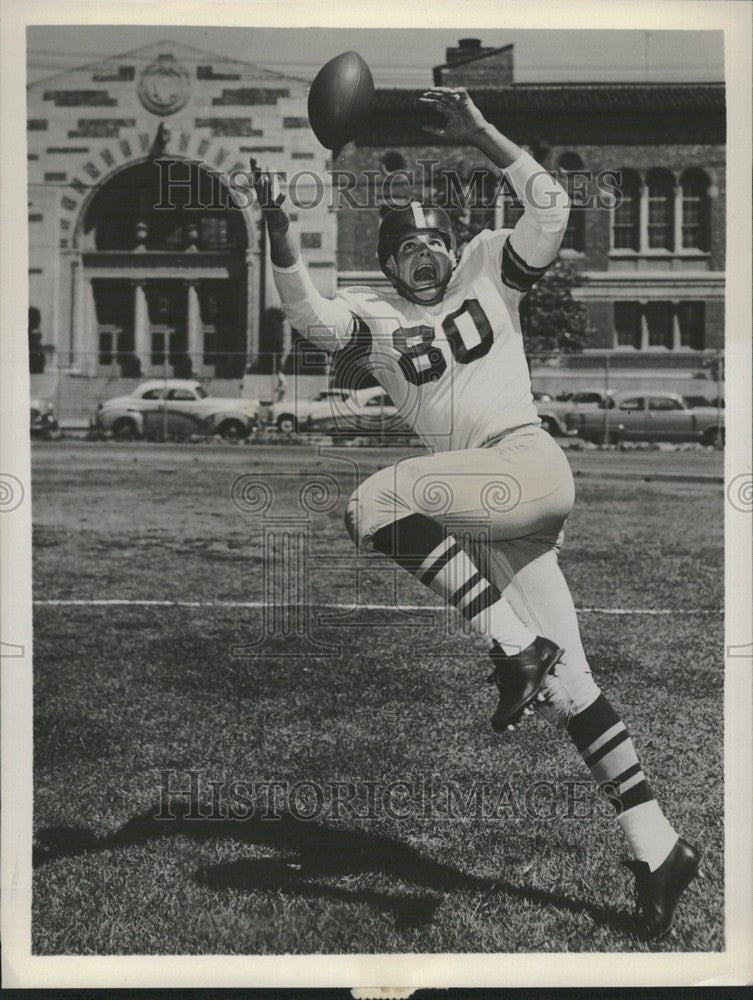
[471,64]
[465,48]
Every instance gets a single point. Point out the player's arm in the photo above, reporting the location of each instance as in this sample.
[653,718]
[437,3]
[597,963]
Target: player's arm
[327,323]
[533,244]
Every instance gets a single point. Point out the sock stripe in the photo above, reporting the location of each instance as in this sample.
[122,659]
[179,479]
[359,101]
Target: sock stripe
[434,554]
[467,587]
[607,747]
[484,600]
[426,576]
[606,735]
[590,725]
[626,774]
[636,796]
[638,777]
[472,594]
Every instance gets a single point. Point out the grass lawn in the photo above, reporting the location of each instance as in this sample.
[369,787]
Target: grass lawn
[482,844]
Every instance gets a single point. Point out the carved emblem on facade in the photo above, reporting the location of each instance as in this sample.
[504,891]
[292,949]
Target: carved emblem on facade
[164,86]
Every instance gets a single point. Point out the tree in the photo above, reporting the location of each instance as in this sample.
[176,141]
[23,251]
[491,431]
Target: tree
[551,319]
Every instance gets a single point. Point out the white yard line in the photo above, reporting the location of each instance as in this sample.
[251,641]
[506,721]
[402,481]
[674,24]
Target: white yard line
[260,605]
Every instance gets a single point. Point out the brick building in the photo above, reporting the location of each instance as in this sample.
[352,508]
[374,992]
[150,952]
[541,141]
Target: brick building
[116,282]
[653,268]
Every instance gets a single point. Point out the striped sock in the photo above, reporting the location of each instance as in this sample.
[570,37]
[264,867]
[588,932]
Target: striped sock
[605,745]
[436,558]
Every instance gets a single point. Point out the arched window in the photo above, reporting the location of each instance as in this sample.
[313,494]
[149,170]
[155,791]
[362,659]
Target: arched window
[695,210]
[123,213]
[575,234]
[660,186]
[626,215]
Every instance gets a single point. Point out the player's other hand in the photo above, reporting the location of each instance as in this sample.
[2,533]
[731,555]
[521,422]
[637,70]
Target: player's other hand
[268,194]
[463,120]
[528,711]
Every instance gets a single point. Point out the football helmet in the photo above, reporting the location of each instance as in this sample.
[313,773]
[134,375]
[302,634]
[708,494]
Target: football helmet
[398,223]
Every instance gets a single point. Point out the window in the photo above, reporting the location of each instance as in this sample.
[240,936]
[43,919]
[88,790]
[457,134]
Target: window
[663,403]
[181,394]
[153,394]
[660,192]
[695,185]
[626,216]
[574,237]
[213,233]
[632,404]
[627,324]
[311,241]
[659,320]
[692,321]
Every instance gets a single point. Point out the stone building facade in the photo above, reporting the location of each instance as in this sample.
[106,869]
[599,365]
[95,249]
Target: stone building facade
[117,279]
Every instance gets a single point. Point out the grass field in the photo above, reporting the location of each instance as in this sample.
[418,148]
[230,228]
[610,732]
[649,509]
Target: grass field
[125,692]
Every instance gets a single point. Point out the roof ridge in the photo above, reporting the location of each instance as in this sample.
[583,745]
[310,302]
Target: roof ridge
[104,60]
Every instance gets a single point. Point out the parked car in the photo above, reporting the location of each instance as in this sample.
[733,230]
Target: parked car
[42,419]
[300,414]
[654,417]
[176,408]
[364,413]
[555,413]
[694,401]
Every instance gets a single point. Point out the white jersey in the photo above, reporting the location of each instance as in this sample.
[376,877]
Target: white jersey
[456,371]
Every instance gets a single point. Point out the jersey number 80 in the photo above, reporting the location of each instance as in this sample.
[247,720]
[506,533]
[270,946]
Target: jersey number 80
[468,332]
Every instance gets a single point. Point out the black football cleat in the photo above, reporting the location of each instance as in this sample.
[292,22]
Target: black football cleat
[657,893]
[520,678]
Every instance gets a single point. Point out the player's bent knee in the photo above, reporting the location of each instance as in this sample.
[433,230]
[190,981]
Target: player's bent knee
[351,517]
[377,502]
[568,691]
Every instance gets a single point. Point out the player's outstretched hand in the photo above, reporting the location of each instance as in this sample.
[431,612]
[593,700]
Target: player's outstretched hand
[269,196]
[463,120]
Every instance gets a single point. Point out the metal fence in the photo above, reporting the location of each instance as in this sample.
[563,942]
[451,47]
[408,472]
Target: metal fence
[75,391]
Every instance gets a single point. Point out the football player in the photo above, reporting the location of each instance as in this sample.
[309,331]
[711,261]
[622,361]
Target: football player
[479,519]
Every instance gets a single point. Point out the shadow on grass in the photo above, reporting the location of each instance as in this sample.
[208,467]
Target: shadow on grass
[312,851]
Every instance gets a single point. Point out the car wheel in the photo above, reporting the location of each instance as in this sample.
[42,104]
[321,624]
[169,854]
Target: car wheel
[232,431]
[286,423]
[550,426]
[124,430]
[714,438]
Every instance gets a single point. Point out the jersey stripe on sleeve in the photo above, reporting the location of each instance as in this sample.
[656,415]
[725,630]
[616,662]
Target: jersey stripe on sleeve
[515,272]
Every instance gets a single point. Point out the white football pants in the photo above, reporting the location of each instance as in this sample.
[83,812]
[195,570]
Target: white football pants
[508,503]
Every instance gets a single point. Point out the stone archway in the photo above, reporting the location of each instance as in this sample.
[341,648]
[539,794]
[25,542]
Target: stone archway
[165,286]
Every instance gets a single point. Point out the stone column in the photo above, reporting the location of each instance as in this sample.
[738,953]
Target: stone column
[643,217]
[678,218]
[142,347]
[195,327]
[252,299]
[77,315]
[90,330]
[644,324]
